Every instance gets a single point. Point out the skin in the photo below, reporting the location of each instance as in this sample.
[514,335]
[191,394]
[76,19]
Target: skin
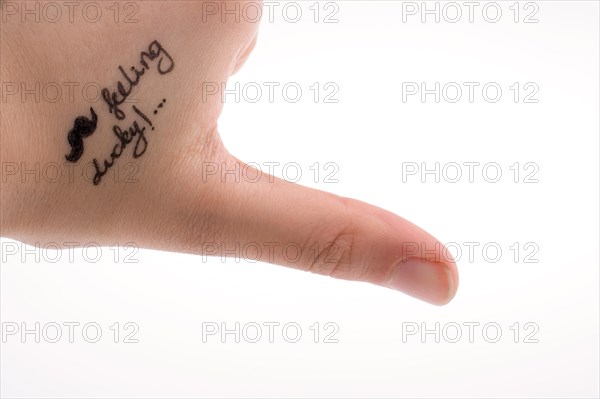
[171,208]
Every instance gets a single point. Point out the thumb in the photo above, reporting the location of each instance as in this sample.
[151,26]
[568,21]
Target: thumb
[292,225]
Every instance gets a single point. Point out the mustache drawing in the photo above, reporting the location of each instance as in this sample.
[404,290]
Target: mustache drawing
[82,128]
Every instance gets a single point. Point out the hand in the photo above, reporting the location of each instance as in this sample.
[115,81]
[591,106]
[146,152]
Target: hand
[178,203]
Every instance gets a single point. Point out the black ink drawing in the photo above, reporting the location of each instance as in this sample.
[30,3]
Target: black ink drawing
[82,128]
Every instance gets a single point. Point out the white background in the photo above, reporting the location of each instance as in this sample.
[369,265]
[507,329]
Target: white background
[369,134]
